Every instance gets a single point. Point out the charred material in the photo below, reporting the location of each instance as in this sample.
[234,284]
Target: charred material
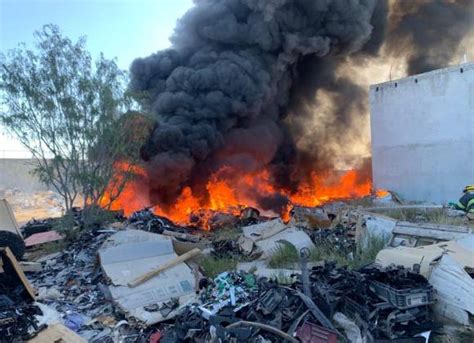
[75,217]
[340,238]
[17,321]
[146,220]
[242,309]
[17,311]
[386,303]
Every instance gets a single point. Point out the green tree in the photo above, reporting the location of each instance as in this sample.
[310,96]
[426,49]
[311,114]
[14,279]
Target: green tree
[73,115]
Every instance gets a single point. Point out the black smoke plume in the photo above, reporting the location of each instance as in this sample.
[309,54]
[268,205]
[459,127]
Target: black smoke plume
[427,33]
[239,85]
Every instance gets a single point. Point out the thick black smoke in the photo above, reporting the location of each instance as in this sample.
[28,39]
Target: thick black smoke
[427,33]
[239,85]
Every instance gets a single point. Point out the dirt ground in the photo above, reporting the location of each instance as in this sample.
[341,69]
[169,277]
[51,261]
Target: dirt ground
[40,204]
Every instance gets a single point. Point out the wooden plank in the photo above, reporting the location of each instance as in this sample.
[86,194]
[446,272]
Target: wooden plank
[171,263]
[433,226]
[32,267]
[19,271]
[57,333]
[185,236]
[427,230]
[403,207]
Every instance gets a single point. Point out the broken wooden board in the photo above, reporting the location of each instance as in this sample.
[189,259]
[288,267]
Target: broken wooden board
[8,257]
[43,237]
[57,333]
[167,265]
[418,234]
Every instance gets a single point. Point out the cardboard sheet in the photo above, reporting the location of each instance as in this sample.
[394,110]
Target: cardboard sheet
[129,254]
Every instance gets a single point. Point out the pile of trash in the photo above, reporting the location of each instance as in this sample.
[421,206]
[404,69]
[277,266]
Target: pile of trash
[238,307]
[140,279]
[17,310]
[73,288]
[387,303]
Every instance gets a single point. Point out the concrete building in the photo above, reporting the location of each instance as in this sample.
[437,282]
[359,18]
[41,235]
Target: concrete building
[423,134]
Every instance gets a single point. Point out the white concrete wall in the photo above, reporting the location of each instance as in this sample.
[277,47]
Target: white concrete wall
[423,134]
[16,174]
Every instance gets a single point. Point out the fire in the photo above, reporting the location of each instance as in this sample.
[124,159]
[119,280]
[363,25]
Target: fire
[380,193]
[131,198]
[320,190]
[229,192]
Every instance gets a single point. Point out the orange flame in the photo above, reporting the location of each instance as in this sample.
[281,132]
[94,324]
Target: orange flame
[231,194]
[381,193]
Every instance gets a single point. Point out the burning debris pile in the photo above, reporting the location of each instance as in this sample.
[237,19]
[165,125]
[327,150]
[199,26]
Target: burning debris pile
[257,103]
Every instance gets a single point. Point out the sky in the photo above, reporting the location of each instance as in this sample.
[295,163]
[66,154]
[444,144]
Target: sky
[125,29]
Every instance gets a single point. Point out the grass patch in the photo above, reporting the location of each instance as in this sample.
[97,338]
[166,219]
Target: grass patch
[367,201]
[327,252]
[367,255]
[226,233]
[53,247]
[284,255]
[287,255]
[213,266]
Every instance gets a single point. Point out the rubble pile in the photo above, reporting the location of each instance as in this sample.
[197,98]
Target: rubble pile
[17,321]
[340,238]
[72,284]
[140,279]
[74,218]
[387,303]
[17,312]
[238,307]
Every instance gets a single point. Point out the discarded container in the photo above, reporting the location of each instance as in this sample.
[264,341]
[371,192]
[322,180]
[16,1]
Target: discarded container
[312,333]
[406,297]
[298,238]
[264,230]
[446,265]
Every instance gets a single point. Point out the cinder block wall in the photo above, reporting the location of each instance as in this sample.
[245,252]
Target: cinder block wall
[422,131]
[16,173]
